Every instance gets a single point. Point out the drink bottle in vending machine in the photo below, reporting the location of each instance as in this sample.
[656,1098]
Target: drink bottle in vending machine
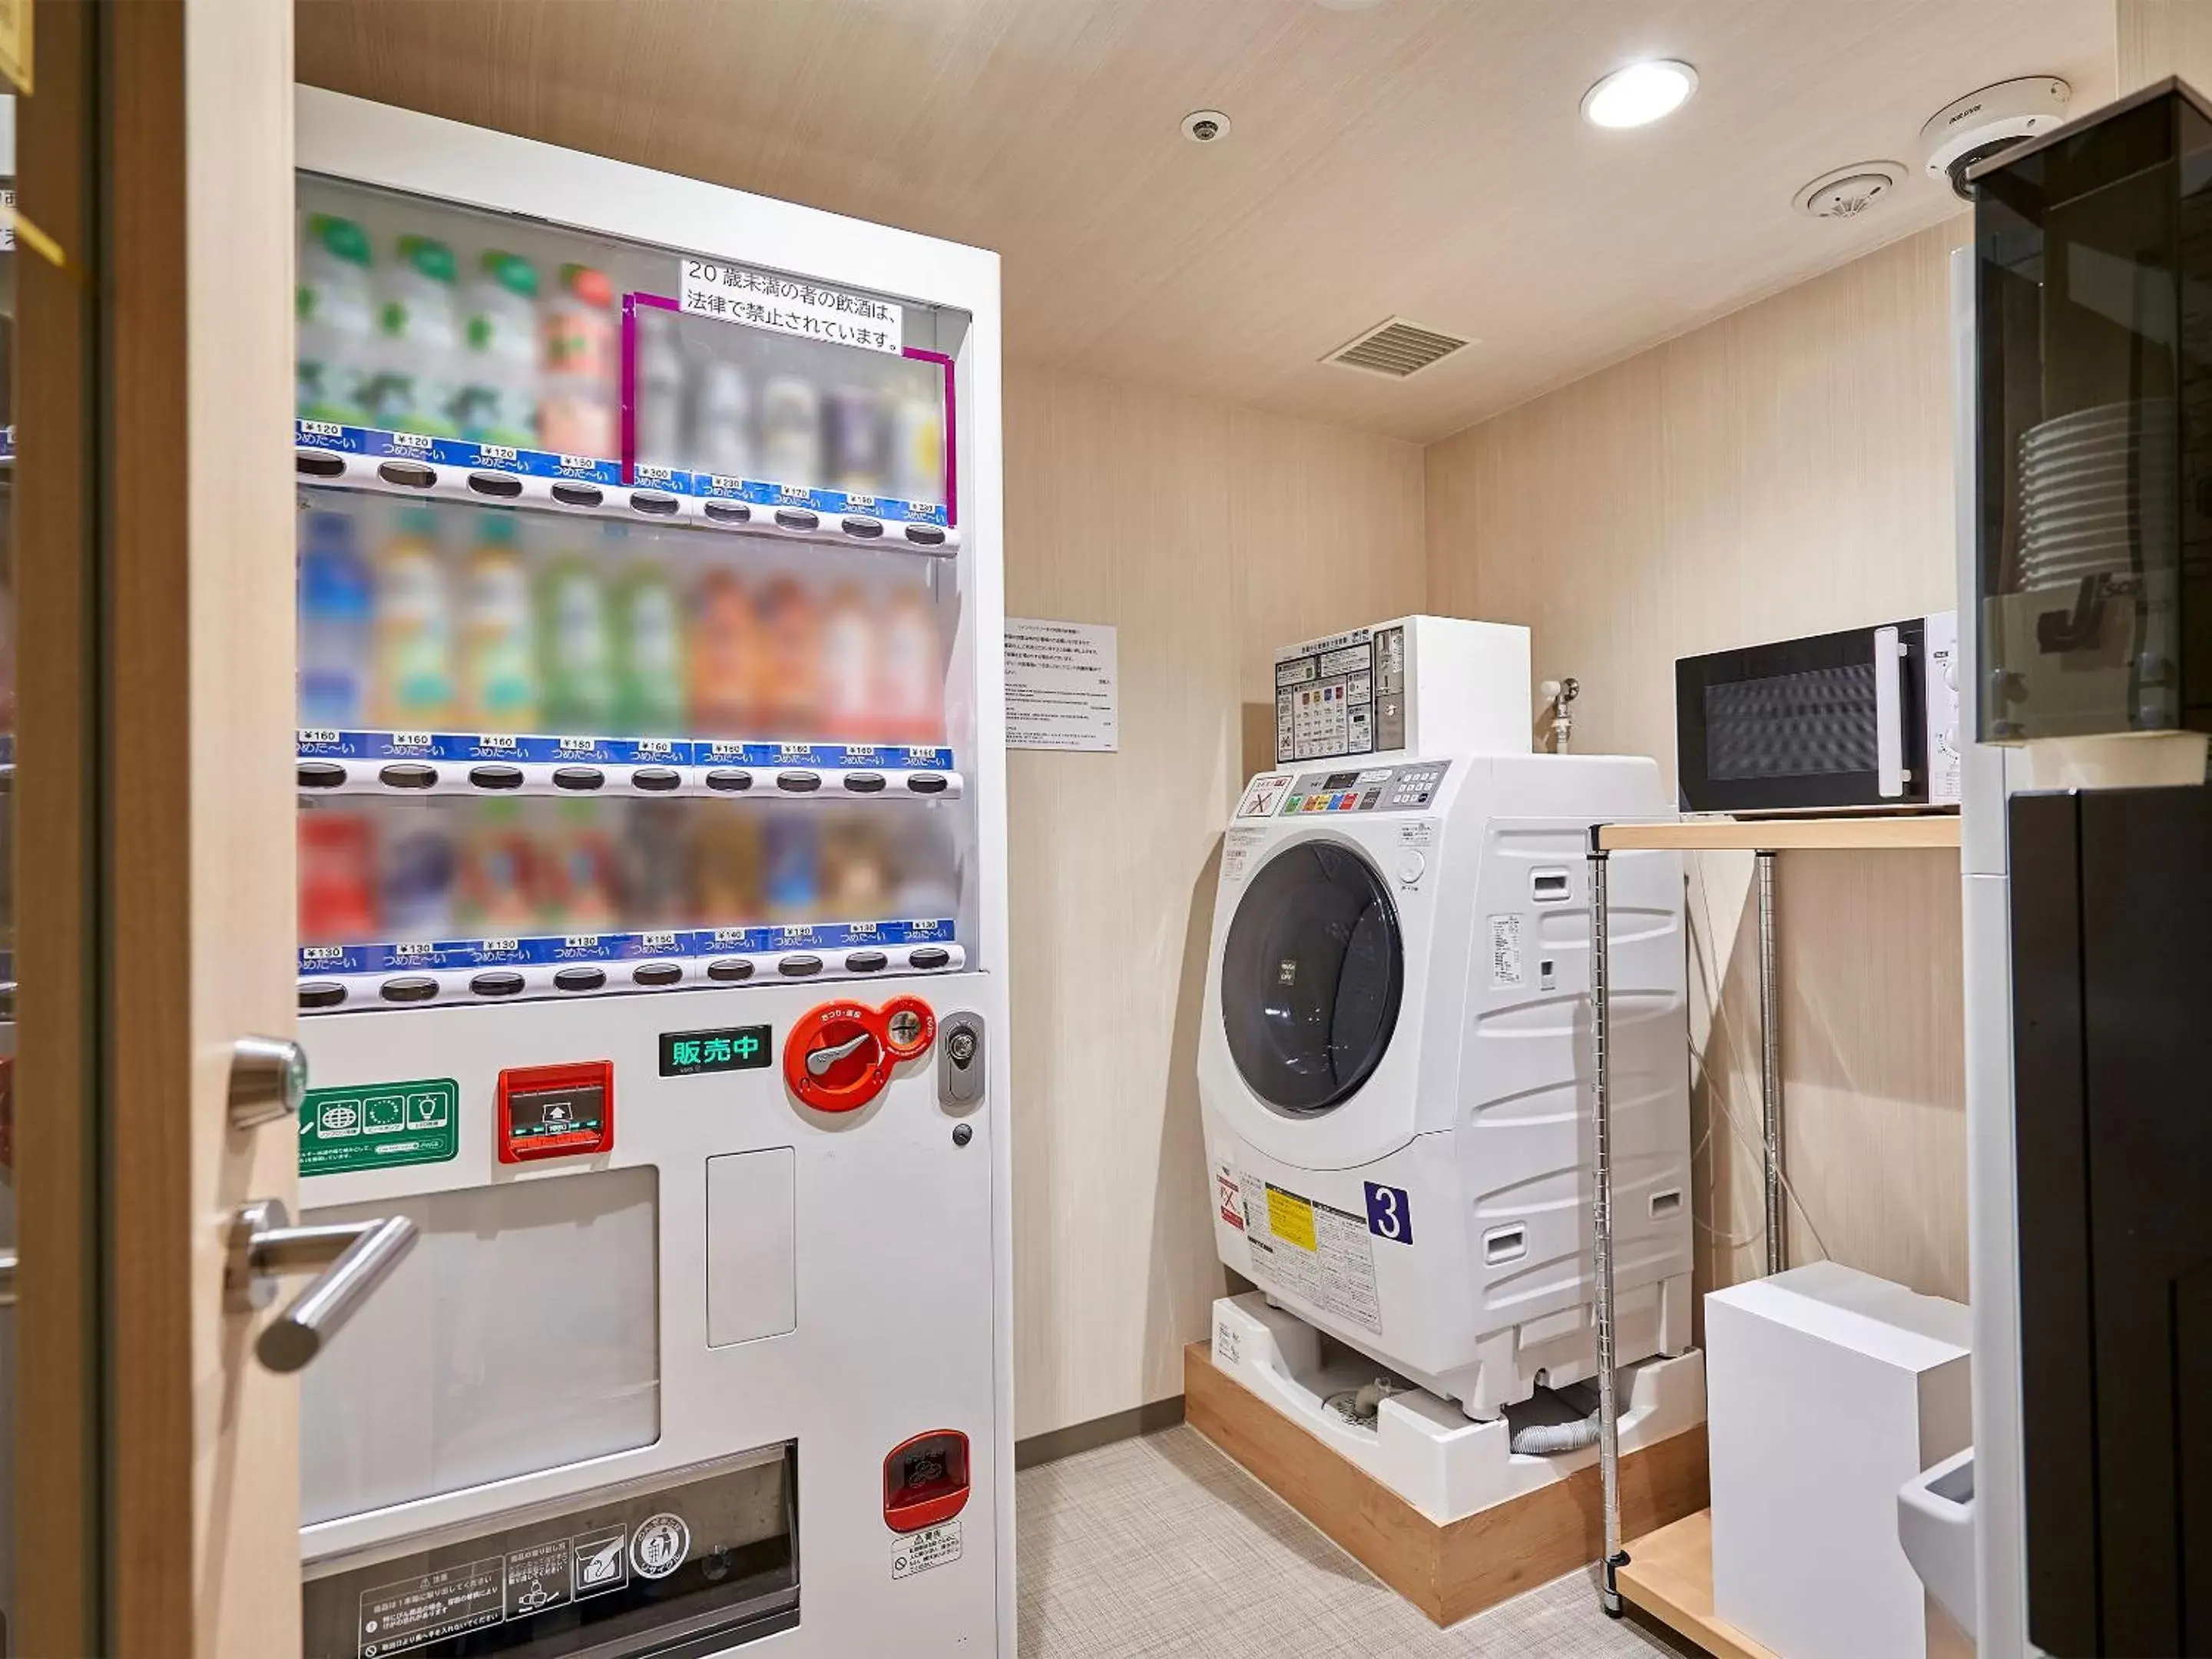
[652,913]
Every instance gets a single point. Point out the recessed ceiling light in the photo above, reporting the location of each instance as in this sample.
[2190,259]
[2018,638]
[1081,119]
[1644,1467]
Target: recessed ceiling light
[1639,94]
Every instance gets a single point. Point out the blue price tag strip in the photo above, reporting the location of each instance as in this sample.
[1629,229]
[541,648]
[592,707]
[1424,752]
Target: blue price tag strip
[468,953]
[325,744]
[377,445]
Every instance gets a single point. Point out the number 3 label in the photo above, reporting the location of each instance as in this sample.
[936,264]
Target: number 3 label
[1389,1215]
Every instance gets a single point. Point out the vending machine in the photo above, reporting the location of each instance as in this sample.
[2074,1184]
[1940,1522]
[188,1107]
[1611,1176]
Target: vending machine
[651,912]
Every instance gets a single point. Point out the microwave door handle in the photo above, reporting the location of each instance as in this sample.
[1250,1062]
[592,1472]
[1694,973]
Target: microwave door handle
[1888,713]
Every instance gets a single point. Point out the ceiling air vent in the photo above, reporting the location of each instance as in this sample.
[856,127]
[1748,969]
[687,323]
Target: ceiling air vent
[1395,347]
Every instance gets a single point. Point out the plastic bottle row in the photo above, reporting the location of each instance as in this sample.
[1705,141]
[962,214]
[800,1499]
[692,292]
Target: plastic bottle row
[457,874]
[421,618]
[402,334]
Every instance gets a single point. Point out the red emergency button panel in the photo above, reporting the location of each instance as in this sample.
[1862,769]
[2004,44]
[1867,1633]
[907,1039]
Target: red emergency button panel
[839,1055]
[555,1111]
[926,1481]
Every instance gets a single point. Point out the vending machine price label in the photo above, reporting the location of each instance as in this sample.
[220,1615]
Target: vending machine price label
[730,1048]
[379,1126]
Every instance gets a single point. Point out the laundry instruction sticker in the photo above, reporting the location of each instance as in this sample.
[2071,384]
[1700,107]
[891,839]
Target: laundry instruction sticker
[1504,952]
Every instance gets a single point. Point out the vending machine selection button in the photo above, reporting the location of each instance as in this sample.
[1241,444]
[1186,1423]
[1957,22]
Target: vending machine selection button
[577,495]
[799,967]
[322,993]
[792,518]
[799,783]
[729,511]
[580,979]
[498,982]
[408,475]
[555,1111]
[408,774]
[866,961]
[656,777]
[577,777]
[864,783]
[657,973]
[321,775]
[729,971]
[925,535]
[927,783]
[495,777]
[411,988]
[929,956]
[730,778]
[866,529]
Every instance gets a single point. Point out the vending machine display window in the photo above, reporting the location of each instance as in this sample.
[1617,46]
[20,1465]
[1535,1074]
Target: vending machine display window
[631,610]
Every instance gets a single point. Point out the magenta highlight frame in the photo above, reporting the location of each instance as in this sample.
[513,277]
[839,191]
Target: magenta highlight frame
[662,302]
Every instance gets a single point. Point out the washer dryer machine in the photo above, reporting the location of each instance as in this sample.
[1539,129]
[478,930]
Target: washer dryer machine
[1394,1067]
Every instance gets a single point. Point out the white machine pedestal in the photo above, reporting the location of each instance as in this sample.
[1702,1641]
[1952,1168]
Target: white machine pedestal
[1425,1448]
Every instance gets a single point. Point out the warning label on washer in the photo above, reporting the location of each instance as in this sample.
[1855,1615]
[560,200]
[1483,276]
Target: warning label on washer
[1237,850]
[1311,1250]
[1504,952]
[932,1547]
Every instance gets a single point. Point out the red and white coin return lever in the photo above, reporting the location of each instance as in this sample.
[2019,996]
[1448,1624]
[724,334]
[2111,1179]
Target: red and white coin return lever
[840,1055]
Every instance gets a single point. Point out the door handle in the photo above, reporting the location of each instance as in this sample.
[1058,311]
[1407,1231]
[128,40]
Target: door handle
[349,1259]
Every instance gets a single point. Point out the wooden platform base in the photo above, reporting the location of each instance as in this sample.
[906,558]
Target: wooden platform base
[1460,1568]
[1669,1576]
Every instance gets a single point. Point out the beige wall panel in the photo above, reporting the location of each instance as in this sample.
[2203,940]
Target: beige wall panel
[1253,530]
[1784,471]
[2159,38]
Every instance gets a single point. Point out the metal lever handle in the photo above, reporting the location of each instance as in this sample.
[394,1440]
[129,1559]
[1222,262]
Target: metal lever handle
[348,1260]
[819,1061]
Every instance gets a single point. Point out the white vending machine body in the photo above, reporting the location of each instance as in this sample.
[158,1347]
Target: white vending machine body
[652,622]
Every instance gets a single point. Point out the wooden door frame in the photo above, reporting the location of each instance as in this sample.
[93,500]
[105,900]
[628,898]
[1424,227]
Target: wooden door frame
[55,1093]
[161,1460]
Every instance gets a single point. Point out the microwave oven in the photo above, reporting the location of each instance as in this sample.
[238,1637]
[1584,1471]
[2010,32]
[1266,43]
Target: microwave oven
[1866,718]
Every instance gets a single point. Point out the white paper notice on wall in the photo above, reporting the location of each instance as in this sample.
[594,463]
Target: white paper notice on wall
[1062,686]
[792,305]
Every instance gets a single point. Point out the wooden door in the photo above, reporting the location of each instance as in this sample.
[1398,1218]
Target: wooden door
[153,854]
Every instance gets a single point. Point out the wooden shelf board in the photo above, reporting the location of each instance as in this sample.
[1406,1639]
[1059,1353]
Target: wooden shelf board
[1939,829]
[1669,1577]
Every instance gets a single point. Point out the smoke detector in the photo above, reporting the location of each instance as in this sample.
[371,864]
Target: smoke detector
[1980,125]
[1849,191]
[1206,126]
[1395,347]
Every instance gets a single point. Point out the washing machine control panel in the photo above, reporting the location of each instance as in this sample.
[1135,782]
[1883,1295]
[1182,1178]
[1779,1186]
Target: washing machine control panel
[1407,788]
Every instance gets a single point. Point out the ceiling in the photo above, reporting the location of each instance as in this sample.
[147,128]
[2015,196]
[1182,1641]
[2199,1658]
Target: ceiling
[1423,158]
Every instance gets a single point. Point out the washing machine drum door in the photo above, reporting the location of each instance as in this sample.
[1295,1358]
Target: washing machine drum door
[1311,976]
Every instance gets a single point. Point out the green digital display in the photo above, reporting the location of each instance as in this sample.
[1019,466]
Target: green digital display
[730,1048]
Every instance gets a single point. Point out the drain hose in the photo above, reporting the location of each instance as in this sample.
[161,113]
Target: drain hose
[1549,1439]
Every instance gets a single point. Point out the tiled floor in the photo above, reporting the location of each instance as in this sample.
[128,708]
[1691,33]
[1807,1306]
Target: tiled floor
[1163,1546]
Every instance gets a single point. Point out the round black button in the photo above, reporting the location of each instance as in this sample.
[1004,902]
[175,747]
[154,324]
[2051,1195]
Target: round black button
[866,961]
[322,993]
[865,529]
[728,511]
[495,777]
[927,783]
[653,502]
[656,778]
[577,495]
[723,777]
[930,955]
[319,463]
[406,474]
[321,775]
[498,982]
[798,967]
[791,518]
[799,783]
[415,987]
[579,777]
[504,485]
[865,783]
[657,973]
[729,969]
[408,774]
[925,535]
[580,979]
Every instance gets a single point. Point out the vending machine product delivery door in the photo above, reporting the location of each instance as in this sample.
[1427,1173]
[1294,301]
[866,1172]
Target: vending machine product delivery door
[652,911]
